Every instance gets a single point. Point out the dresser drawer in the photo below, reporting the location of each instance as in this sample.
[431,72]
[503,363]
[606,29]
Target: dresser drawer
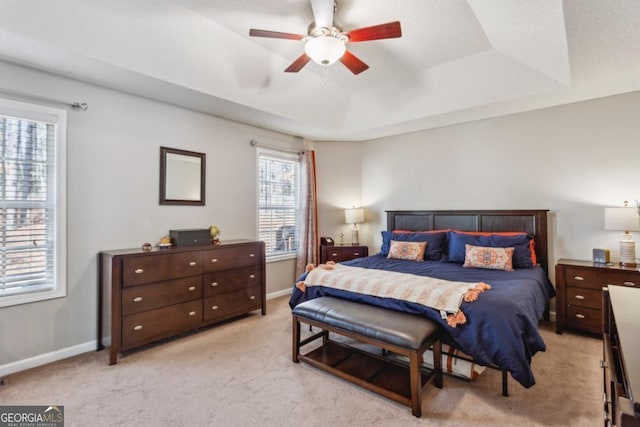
[582,297]
[232,257]
[583,318]
[622,278]
[155,268]
[342,253]
[136,299]
[587,278]
[143,328]
[225,281]
[232,303]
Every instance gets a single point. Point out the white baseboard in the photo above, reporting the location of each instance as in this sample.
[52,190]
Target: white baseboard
[281,293]
[43,359]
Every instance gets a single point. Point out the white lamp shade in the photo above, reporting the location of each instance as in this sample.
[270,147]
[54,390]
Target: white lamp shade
[354,216]
[621,219]
[324,50]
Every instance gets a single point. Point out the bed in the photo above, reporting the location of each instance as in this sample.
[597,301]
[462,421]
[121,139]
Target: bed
[501,326]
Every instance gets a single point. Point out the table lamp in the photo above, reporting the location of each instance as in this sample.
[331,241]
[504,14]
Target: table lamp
[625,219]
[354,216]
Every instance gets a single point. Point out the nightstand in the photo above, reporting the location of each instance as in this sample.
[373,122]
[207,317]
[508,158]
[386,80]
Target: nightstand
[579,292]
[342,253]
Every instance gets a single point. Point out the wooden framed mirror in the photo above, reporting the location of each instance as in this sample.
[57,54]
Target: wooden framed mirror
[182,177]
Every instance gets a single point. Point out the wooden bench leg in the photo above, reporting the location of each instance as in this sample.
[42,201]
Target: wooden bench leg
[505,384]
[437,363]
[296,339]
[415,360]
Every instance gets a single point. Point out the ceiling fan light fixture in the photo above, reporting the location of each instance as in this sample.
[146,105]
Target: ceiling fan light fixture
[324,50]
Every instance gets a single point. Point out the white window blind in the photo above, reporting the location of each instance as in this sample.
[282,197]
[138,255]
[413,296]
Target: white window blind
[29,220]
[279,195]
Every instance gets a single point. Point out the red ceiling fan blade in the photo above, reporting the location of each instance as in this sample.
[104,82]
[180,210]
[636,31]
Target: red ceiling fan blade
[355,65]
[274,34]
[298,64]
[389,30]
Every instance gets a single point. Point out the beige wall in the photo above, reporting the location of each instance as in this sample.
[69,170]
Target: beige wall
[573,160]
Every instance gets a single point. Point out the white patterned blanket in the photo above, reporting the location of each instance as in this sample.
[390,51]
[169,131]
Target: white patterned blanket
[443,295]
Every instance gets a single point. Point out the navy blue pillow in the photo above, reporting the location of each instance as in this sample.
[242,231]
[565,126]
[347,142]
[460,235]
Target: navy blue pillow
[436,243]
[520,243]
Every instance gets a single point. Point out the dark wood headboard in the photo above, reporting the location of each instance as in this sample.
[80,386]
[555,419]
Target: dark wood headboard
[533,222]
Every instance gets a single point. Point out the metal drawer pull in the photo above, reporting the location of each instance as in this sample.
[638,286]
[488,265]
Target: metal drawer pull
[579,297]
[137,327]
[356,253]
[214,307]
[139,270]
[214,260]
[137,299]
[253,276]
[580,316]
[334,254]
[192,288]
[192,263]
[214,284]
[252,255]
[579,278]
[252,297]
[192,313]
[629,283]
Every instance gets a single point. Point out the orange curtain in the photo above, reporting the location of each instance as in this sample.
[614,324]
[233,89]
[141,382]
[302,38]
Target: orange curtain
[308,214]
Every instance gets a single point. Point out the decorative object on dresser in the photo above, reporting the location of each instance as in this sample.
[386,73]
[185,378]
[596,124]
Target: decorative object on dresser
[162,293]
[354,216]
[342,253]
[621,351]
[601,256]
[214,232]
[626,218]
[190,237]
[579,292]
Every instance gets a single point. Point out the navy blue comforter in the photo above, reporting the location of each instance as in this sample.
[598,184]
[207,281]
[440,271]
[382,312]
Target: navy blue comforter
[502,325]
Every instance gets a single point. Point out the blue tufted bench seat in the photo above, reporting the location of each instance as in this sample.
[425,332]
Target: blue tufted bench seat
[405,334]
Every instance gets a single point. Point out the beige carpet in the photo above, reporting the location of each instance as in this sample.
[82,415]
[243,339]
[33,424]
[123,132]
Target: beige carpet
[240,374]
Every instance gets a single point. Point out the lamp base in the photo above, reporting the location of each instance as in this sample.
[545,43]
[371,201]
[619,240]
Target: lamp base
[354,238]
[628,253]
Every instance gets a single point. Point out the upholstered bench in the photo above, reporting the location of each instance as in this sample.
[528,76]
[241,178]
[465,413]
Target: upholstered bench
[404,334]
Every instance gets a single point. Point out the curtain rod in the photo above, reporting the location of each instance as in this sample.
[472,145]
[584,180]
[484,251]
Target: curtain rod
[75,105]
[253,143]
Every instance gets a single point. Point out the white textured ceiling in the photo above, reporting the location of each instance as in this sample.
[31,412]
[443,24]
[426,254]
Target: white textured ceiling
[457,60]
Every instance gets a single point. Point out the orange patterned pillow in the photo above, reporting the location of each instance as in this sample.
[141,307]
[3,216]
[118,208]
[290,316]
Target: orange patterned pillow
[412,251]
[492,258]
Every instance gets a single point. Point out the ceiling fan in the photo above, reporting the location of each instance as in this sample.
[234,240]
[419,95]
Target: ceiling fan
[325,42]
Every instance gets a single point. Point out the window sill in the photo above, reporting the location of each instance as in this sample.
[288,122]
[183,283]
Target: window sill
[25,298]
[283,257]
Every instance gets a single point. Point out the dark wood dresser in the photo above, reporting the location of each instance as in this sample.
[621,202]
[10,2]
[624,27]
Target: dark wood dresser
[621,356]
[579,292]
[340,253]
[165,292]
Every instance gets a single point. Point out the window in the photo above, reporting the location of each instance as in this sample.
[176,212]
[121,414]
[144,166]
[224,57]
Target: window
[279,185]
[32,203]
